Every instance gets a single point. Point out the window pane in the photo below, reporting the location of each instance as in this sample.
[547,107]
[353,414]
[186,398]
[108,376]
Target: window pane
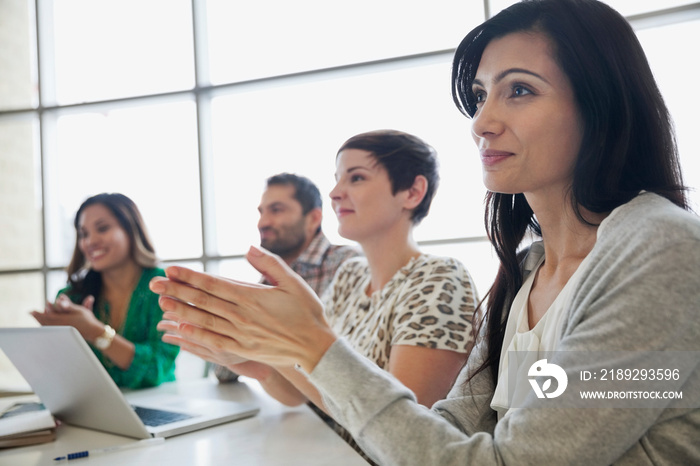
[237,269]
[148,153]
[250,40]
[55,282]
[20,195]
[498,5]
[17,56]
[635,7]
[194,265]
[21,293]
[677,80]
[112,49]
[624,7]
[300,128]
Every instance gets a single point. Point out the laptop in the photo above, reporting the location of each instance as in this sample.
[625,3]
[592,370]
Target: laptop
[72,383]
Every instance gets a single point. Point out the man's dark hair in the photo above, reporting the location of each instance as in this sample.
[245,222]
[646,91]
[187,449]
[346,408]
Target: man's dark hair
[305,191]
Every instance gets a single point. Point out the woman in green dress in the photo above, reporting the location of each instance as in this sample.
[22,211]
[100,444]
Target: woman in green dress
[107,298]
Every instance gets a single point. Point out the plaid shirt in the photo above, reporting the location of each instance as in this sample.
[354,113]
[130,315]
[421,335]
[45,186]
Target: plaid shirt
[317,266]
[318,263]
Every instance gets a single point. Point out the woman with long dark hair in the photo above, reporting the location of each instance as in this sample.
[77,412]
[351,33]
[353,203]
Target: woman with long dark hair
[598,290]
[107,298]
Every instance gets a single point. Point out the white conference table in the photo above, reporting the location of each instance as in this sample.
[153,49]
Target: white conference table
[277,435]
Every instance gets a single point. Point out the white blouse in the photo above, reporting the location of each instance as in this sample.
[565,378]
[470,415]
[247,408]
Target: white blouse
[522,346]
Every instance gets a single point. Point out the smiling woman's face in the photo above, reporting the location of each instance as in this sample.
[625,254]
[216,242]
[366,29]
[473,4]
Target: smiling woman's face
[527,125]
[102,240]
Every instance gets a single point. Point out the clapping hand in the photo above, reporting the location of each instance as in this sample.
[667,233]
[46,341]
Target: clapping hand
[210,354]
[279,325]
[66,312]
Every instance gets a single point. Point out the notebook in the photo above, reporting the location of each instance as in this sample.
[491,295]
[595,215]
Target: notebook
[72,383]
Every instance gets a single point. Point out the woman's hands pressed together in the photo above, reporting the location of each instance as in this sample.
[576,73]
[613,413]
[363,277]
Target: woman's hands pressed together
[219,319]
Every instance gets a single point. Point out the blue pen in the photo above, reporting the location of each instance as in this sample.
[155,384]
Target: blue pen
[99,451]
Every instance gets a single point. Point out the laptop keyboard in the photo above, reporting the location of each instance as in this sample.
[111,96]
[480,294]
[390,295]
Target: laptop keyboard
[156,417]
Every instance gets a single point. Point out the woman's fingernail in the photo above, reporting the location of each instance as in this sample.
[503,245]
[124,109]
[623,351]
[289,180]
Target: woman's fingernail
[170,316]
[157,285]
[166,304]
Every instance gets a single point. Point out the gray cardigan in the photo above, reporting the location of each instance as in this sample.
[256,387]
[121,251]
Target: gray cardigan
[640,292]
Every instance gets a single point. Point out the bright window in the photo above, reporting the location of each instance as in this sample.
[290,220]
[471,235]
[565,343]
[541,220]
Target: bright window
[188,105]
[112,49]
[147,152]
[256,130]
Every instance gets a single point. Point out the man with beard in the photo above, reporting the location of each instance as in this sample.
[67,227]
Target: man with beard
[290,226]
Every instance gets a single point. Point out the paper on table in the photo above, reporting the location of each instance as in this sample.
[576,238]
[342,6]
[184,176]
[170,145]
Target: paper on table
[28,421]
[28,438]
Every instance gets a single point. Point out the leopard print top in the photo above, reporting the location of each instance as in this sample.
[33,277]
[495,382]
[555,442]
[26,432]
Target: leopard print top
[429,302]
